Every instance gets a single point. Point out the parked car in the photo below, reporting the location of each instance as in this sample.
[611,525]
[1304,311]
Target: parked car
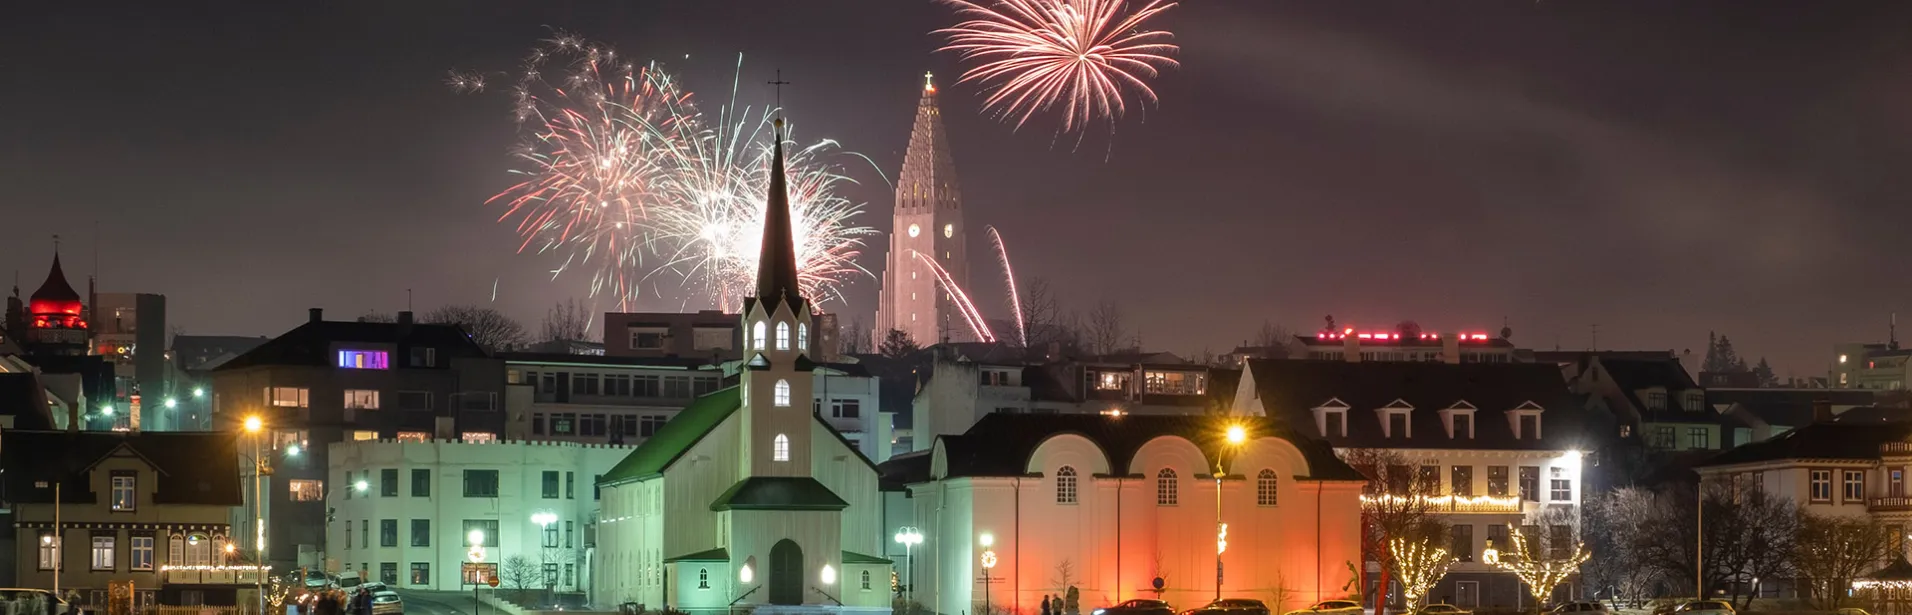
[348,581]
[1330,607]
[55,604]
[1442,609]
[1851,611]
[1137,607]
[1230,606]
[387,602]
[1580,607]
[1705,607]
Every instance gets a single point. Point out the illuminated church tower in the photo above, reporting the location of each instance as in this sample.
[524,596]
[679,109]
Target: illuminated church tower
[929,221]
[776,374]
[54,322]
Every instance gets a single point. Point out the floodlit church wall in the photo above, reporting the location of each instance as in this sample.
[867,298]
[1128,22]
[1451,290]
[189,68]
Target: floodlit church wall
[690,485]
[817,533]
[839,468]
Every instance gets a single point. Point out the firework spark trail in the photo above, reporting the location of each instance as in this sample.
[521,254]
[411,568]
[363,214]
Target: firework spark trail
[1009,278]
[1079,55]
[963,304]
[621,167]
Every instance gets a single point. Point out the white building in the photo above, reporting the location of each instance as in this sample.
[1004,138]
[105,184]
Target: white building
[969,381]
[1493,444]
[401,511]
[748,498]
[1123,507]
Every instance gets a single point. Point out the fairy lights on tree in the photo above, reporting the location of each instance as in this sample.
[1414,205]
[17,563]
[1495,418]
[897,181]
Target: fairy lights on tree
[1418,565]
[1540,574]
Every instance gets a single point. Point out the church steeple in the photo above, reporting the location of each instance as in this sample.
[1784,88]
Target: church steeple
[928,223]
[777,260]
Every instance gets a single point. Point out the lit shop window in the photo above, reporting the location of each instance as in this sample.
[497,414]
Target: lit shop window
[364,359]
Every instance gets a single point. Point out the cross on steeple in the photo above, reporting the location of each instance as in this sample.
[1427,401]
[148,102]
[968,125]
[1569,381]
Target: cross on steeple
[779,83]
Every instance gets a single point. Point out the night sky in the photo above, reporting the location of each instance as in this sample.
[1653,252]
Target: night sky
[1659,168]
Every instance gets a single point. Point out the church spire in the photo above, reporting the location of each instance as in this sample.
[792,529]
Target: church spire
[777,262]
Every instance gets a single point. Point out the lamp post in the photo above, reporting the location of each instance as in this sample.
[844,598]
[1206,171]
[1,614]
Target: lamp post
[476,538]
[544,519]
[989,562]
[256,427]
[908,537]
[1233,437]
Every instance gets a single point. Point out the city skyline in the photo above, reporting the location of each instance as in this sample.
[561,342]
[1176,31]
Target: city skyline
[1529,166]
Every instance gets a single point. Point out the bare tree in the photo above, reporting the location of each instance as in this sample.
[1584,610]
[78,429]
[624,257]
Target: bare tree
[489,328]
[1041,316]
[856,340]
[518,574]
[897,344]
[1274,341]
[1832,551]
[376,316]
[1750,535]
[568,321]
[1622,561]
[1105,329]
[1395,508]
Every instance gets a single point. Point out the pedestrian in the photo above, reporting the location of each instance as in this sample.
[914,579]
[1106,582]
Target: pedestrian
[1045,604]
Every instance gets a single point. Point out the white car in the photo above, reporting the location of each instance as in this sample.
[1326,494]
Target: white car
[1705,607]
[1330,607]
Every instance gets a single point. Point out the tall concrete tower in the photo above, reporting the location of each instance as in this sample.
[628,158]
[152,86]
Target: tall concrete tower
[929,221]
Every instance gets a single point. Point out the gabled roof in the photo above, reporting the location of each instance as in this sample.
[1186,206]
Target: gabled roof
[1787,407]
[1822,441]
[310,344]
[1289,390]
[859,558]
[778,493]
[192,467]
[676,436]
[713,555]
[1000,444]
[1634,375]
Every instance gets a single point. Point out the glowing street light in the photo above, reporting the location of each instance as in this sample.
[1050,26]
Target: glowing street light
[908,537]
[198,392]
[476,537]
[988,562]
[361,486]
[292,450]
[1233,436]
[106,410]
[1237,434]
[254,424]
[171,403]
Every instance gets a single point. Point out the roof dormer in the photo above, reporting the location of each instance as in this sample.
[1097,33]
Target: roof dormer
[1397,419]
[1524,419]
[1331,418]
[1459,420]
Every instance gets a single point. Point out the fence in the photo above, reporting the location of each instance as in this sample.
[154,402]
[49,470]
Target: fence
[199,610]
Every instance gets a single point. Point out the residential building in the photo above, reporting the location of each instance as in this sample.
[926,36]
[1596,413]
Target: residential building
[328,381]
[711,336]
[1116,507]
[1656,402]
[1404,344]
[1495,446]
[930,238]
[129,329]
[146,508]
[1871,366]
[403,511]
[1763,413]
[962,383]
[748,489]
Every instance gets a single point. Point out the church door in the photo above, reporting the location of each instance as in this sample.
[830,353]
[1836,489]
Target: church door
[786,573]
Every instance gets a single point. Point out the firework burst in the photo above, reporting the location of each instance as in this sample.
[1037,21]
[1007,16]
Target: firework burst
[625,178]
[1078,56]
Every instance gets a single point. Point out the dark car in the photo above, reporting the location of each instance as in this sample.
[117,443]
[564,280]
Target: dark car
[1230,606]
[1442,609]
[1579,607]
[1137,607]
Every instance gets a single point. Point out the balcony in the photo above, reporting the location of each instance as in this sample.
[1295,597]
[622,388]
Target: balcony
[1480,504]
[1889,504]
[1895,449]
[201,575]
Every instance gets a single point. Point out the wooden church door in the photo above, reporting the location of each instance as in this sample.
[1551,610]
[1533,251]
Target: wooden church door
[786,573]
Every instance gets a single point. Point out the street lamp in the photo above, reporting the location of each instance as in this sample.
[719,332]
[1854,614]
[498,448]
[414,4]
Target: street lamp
[1233,436]
[988,562]
[544,519]
[171,403]
[476,538]
[256,426]
[361,486]
[198,392]
[908,537]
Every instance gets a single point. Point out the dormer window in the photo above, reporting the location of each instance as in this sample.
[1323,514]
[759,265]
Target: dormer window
[1396,419]
[1525,421]
[1331,419]
[1459,420]
[1656,400]
[1694,402]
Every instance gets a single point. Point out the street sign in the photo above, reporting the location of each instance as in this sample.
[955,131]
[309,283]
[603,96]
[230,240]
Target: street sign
[492,580]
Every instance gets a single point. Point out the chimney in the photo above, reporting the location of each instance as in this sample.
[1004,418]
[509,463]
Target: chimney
[1350,348]
[317,314]
[1821,410]
[404,323]
[1451,348]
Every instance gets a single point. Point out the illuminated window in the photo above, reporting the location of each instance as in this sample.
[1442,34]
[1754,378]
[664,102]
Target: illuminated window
[803,336]
[361,399]
[1066,485]
[866,580]
[1265,485]
[783,336]
[102,553]
[124,496]
[781,394]
[949,230]
[414,436]
[478,437]
[1165,488]
[364,359]
[287,397]
[50,550]
[306,490]
[142,549]
[364,434]
[758,336]
[780,448]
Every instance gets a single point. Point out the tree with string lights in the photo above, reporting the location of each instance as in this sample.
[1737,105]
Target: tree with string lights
[1418,565]
[1541,571]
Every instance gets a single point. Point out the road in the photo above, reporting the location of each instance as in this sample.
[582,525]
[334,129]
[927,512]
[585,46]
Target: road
[421,602]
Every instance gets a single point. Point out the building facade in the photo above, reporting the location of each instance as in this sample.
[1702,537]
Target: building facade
[404,510]
[1121,507]
[929,239]
[963,383]
[711,336]
[325,382]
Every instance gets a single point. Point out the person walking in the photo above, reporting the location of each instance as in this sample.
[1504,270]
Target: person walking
[1045,605]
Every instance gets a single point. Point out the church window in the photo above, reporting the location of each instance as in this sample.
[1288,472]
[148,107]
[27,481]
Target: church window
[1265,488]
[803,337]
[1165,488]
[783,336]
[757,337]
[781,394]
[780,448]
[703,578]
[1066,485]
[866,580]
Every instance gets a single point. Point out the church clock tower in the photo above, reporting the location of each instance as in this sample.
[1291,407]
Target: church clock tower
[929,221]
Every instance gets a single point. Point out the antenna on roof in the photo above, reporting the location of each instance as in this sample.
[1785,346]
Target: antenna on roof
[1892,332]
[1596,336]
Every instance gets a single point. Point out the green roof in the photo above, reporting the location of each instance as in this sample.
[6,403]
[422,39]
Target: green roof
[859,558]
[676,436]
[778,493]
[713,555]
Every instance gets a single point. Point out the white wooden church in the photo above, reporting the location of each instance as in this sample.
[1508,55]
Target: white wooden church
[747,498]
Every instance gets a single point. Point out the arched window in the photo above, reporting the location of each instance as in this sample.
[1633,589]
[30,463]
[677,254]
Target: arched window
[781,394]
[783,336]
[1165,488]
[866,580]
[780,448]
[703,578]
[1066,485]
[757,336]
[1265,488]
[803,337]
